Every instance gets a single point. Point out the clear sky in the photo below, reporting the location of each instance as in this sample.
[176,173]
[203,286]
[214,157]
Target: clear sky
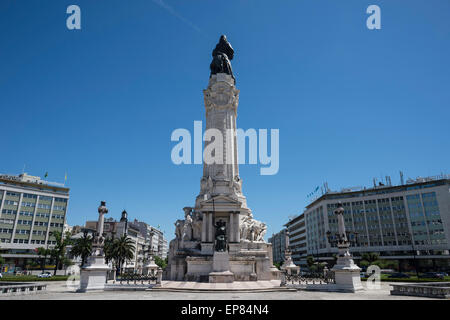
[101,102]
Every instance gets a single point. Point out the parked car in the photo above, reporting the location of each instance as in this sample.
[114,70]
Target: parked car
[432,275]
[399,275]
[444,274]
[45,275]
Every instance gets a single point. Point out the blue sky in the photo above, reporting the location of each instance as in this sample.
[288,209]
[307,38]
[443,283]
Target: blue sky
[101,103]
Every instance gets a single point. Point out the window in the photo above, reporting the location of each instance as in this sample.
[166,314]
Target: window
[11,203]
[6,211]
[28,204]
[12,194]
[23,231]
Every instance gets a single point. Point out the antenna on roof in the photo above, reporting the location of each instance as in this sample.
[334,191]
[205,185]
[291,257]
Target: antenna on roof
[388,181]
[402,182]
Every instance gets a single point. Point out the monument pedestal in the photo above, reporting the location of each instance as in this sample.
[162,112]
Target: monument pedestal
[221,269]
[94,275]
[347,274]
[221,277]
[150,268]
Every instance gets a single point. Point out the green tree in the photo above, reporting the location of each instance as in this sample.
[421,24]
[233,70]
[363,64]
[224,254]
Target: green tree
[59,251]
[160,262]
[123,250]
[311,262]
[370,257]
[82,247]
[277,265]
[43,253]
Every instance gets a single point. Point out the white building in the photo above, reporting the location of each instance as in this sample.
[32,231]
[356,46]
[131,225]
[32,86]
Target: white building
[405,222]
[31,210]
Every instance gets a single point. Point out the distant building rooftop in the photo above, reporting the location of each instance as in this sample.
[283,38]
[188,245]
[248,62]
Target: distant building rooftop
[383,188]
[33,182]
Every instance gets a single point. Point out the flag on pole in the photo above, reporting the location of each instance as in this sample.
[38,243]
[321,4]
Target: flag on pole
[46,175]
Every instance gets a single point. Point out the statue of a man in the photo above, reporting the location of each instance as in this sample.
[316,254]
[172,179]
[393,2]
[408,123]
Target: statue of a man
[222,55]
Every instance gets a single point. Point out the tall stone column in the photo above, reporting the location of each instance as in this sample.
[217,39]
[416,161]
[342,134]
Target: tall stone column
[210,227]
[222,176]
[204,226]
[236,227]
[231,228]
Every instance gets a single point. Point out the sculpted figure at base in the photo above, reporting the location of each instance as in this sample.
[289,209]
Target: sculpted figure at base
[252,230]
[179,226]
[187,226]
[221,237]
[197,221]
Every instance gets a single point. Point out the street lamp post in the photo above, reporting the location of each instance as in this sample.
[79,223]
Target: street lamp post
[94,274]
[347,273]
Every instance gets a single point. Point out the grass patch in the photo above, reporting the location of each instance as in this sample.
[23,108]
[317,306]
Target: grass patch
[22,278]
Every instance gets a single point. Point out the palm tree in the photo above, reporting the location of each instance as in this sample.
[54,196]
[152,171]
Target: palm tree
[82,248]
[123,250]
[59,252]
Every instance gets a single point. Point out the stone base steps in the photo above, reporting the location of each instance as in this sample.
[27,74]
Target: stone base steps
[237,290]
[237,286]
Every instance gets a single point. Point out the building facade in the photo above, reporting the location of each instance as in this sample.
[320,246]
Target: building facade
[31,210]
[297,239]
[154,237]
[278,241]
[145,239]
[405,222]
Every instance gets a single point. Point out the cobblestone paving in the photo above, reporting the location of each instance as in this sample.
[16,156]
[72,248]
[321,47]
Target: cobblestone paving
[59,291]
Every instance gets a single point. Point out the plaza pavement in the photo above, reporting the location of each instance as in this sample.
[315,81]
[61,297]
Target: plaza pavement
[60,291]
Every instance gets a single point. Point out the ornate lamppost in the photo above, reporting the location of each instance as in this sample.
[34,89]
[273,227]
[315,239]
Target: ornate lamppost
[94,274]
[347,273]
[150,267]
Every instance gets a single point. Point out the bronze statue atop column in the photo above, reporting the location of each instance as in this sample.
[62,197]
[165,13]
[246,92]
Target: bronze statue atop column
[222,55]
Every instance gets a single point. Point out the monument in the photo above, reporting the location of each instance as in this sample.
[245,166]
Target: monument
[94,273]
[218,240]
[288,264]
[347,273]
